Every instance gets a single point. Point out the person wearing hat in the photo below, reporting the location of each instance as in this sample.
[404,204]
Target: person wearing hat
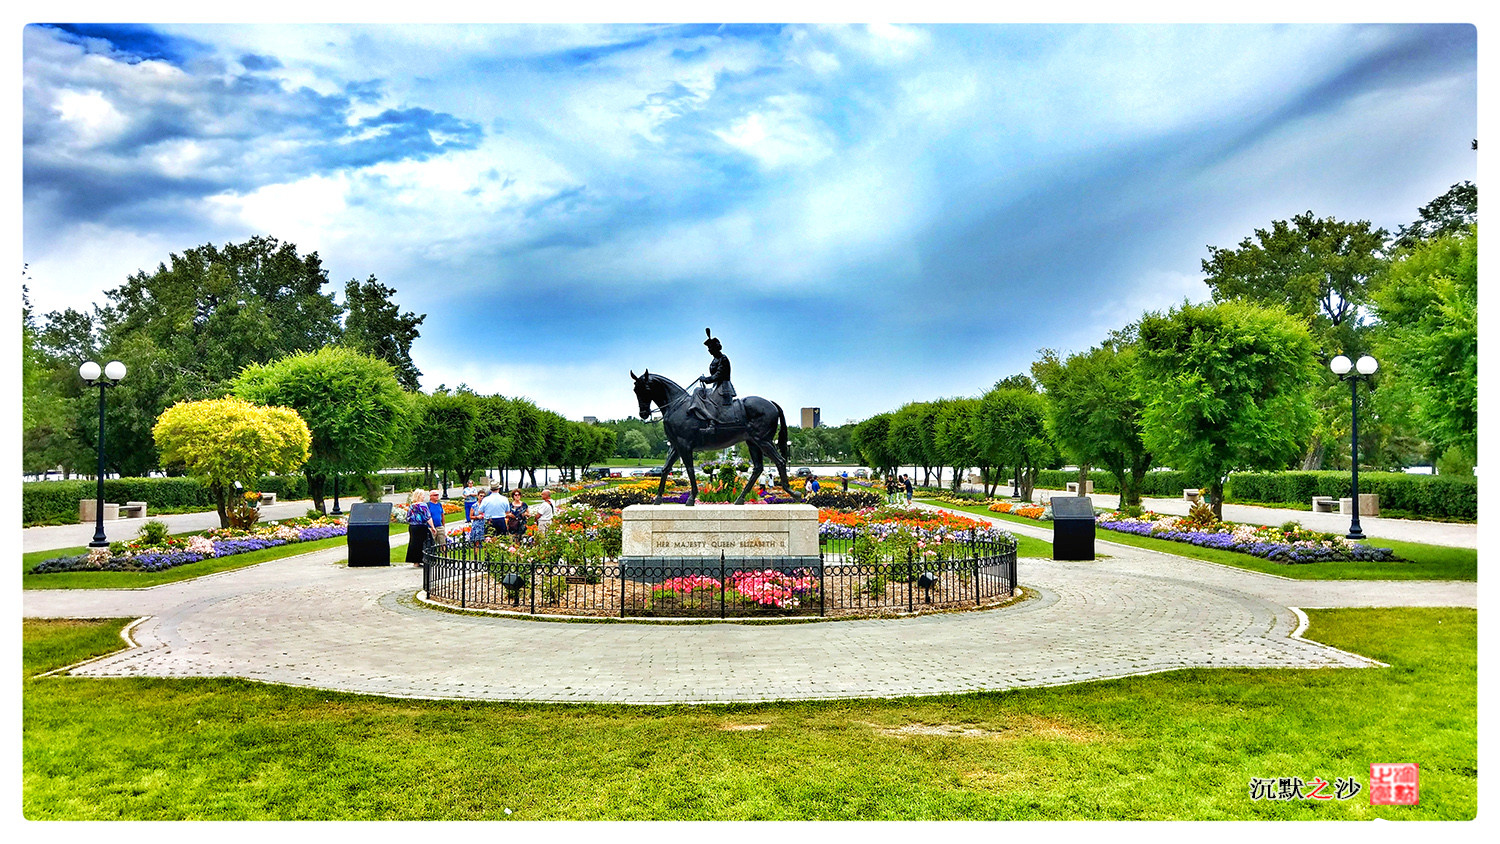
[717,392]
[494,508]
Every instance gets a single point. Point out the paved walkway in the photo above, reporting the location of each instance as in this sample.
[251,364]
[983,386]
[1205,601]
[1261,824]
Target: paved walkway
[312,621]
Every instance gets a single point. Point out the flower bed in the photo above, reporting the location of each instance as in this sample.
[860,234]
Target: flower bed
[767,588]
[1278,544]
[926,525]
[139,555]
[1029,511]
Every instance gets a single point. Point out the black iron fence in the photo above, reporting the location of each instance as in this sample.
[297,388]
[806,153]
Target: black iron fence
[856,576]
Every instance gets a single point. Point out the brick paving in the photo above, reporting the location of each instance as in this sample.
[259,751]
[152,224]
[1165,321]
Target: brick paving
[312,621]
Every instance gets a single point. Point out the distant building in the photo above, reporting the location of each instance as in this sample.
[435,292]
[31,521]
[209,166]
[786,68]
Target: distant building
[591,420]
[812,417]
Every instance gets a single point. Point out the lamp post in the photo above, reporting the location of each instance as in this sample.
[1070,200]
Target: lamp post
[1363,369]
[114,372]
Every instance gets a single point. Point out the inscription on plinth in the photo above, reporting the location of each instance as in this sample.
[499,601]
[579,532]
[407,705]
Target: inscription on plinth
[773,535]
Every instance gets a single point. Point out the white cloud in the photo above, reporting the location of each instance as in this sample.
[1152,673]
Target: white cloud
[781,133]
[303,212]
[92,118]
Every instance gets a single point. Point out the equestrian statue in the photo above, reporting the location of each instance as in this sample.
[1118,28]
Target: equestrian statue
[711,418]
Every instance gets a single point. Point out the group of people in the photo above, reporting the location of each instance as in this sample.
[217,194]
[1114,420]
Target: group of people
[896,487]
[497,515]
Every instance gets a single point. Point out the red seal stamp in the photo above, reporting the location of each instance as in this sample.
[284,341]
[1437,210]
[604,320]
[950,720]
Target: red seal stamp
[1393,784]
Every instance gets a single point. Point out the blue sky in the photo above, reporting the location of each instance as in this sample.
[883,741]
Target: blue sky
[865,215]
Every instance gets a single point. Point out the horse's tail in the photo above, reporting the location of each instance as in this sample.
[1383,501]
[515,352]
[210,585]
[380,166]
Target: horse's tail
[781,444]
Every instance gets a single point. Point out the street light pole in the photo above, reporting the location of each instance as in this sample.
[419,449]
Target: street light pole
[114,371]
[1365,368]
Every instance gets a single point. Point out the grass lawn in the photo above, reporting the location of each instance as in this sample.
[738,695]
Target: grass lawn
[138,580]
[1179,745]
[1423,561]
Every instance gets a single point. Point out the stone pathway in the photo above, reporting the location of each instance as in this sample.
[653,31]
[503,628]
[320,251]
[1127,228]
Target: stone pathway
[312,621]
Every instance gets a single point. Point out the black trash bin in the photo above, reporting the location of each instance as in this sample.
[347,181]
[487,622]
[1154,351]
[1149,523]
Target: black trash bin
[1072,528]
[369,536]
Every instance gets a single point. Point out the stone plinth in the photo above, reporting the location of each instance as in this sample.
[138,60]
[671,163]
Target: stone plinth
[775,536]
[1369,505]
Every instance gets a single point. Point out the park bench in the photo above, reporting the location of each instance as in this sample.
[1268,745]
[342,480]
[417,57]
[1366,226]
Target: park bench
[268,498]
[1322,504]
[87,511]
[388,489]
[1073,487]
[133,510]
[1193,495]
[1369,505]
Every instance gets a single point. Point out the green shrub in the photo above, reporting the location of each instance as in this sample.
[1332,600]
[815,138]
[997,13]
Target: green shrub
[153,532]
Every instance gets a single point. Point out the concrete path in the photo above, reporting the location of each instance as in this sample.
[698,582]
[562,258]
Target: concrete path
[312,621]
[1452,534]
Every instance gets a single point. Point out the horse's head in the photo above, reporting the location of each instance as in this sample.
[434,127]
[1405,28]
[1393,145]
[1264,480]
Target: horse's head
[643,392]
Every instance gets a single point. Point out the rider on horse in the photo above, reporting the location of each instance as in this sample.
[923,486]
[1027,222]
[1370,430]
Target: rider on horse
[716,393]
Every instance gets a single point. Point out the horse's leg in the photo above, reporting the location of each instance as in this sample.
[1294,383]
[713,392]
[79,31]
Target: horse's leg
[687,461]
[756,463]
[661,486]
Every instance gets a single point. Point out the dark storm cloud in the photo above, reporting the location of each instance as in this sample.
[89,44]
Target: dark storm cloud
[230,123]
[132,42]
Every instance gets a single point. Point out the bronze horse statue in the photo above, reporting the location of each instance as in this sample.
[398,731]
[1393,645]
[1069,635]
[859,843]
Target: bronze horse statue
[763,430]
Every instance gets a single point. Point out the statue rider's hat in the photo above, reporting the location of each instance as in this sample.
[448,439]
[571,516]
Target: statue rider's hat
[712,340]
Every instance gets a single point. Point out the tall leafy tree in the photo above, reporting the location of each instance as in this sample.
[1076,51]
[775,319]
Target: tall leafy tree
[184,331]
[634,444]
[489,444]
[1094,413]
[376,327]
[443,426]
[1428,342]
[352,404]
[1449,215]
[1224,388]
[956,440]
[1011,430]
[1320,269]
[221,441]
[871,443]
[528,437]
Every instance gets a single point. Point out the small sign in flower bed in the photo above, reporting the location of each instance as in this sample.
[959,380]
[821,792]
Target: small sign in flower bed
[158,553]
[1291,543]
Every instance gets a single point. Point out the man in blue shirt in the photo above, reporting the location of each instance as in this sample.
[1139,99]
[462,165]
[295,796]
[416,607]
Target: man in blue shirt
[435,506]
[493,508]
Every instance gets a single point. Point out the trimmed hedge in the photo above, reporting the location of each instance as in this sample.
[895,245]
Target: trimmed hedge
[1442,496]
[1167,483]
[47,501]
[1439,496]
[50,501]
